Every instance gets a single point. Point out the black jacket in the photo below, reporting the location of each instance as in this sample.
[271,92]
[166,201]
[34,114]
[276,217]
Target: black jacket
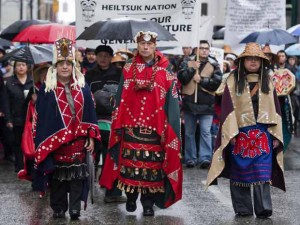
[16,111]
[3,97]
[96,78]
[205,100]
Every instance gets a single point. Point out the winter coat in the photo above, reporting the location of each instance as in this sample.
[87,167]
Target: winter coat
[16,92]
[206,87]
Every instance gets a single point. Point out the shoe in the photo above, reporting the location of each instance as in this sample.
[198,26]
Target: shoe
[148,212]
[265,214]
[190,164]
[115,199]
[130,206]
[205,164]
[75,216]
[243,214]
[59,214]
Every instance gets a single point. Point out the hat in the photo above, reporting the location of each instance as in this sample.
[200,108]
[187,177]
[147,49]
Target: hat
[37,71]
[145,36]
[227,62]
[228,50]
[126,52]
[253,49]
[267,50]
[63,50]
[104,48]
[89,50]
[118,58]
[230,56]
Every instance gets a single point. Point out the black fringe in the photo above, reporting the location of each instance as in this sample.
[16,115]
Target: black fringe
[71,172]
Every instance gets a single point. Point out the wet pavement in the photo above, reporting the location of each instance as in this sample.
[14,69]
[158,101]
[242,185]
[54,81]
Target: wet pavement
[20,206]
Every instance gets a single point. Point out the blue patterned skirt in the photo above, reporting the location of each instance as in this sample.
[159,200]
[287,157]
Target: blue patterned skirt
[251,156]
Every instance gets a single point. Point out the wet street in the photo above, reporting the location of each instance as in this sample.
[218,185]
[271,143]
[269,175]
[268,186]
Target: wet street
[20,206]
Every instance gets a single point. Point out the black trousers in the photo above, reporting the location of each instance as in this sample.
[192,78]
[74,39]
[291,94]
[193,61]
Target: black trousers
[18,131]
[147,199]
[6,137]
[242,200]
[59,195]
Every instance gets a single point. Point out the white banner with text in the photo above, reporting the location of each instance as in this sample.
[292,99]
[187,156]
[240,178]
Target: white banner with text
[179,17]
[246,16]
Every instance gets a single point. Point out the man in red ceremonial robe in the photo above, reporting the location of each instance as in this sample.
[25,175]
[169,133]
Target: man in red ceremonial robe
[144,155]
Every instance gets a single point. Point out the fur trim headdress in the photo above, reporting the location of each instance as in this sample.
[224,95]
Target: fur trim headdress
[145,36]
[63,50]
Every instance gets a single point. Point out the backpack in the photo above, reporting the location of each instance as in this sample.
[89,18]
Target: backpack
[104,99]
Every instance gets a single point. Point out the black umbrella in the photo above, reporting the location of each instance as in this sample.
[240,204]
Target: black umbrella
[273,37]
[12,30]
[91,179]
[123,29]
[5,43]
[32,54]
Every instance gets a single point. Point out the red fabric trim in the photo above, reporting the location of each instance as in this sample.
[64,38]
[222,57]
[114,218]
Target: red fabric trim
[141,164]
[144,184]
[61,137]
[109,173]
[73,129]
[143,147]
[27,143]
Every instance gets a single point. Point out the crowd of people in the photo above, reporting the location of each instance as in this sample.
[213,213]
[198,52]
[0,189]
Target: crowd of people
[146,115]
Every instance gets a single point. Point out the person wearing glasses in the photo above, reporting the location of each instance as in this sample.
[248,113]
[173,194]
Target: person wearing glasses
[249,145]
[200,79]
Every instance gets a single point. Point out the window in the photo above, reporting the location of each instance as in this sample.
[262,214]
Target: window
[204,9]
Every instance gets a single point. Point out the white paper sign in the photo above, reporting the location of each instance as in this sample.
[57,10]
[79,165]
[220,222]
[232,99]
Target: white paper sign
[246,16]
[218,53]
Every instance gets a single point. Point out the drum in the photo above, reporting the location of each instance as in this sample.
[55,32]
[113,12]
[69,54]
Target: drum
[284,81]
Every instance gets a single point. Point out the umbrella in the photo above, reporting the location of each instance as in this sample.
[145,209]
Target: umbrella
[5,43]
[91,170]
[123,29]
[15,28]
[271,36]
[219,34]
[294,30]
[293,50]
[46,33]
[32,54]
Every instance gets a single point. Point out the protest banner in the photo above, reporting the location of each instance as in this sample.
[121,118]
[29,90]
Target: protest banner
[179,17]
[246,16]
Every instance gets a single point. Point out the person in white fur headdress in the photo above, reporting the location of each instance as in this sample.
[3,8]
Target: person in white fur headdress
[65,126]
